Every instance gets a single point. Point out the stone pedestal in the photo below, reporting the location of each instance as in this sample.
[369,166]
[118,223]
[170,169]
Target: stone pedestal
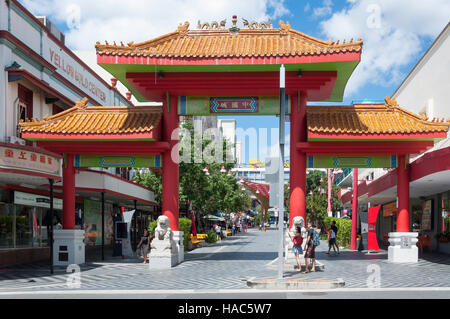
[164,254]
[178,238]
[403,248]
[160,261]
[68,247]
[288,247]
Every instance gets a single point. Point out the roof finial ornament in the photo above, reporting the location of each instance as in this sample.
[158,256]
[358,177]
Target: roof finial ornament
[234,28]
[82,104]
[246,23]
[183,28]
[284,27]
[391,103]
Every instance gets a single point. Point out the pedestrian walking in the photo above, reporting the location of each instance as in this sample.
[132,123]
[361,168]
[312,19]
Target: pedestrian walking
[218,230]
[297,240]
[233,230]
[332,238]
[312,242]
[144,245]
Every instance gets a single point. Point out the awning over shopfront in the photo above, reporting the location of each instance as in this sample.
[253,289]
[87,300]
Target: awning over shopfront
[429,174]
[214,218]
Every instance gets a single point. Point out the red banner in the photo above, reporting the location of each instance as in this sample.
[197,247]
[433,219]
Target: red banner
[373,215]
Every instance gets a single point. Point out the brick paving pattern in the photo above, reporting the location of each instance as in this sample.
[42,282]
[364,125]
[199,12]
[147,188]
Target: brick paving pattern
[227,264]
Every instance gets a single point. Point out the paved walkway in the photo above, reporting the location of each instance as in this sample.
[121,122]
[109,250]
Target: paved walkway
[226,265]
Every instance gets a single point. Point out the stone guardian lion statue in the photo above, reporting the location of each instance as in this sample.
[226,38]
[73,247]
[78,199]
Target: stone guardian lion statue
[163,234]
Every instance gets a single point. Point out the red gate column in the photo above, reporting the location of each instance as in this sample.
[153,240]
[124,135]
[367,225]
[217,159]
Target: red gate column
[354,209]
[170,171]
[403,195]
[297,178]
[68,193]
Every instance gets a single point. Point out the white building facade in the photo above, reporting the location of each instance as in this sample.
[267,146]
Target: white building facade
[40,76]
[425,91]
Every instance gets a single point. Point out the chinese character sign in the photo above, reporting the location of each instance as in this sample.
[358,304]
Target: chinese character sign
[234,105]
[27,160]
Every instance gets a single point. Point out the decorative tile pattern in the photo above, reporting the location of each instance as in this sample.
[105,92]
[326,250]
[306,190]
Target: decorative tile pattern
[83,119]
[220,42]
[370,119]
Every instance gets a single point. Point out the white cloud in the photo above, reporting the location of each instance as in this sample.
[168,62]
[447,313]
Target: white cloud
[139,20]
[325,10]
[90,21]
[307,7]
[393,34]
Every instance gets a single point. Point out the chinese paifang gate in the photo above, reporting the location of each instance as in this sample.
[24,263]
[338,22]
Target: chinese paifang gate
[215,70]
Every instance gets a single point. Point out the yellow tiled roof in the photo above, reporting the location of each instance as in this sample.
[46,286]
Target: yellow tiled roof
[221,42]
[83,119]
[370,119]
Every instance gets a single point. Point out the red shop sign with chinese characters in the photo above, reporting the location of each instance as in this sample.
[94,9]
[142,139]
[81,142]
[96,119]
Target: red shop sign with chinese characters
[26,160]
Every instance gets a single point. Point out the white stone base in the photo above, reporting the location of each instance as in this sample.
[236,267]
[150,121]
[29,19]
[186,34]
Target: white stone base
[178,237]
[162,262]
[403,248]
[68,247]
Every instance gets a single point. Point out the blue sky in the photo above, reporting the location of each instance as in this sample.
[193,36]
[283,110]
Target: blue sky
[395,33]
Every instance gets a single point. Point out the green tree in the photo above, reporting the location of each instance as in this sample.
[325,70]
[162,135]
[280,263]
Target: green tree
[207,193]
[317,196]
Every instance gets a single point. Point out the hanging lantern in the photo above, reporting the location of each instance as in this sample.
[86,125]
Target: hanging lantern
[243,188]
[205,169]
[229,173]
[222,169]
[257,191]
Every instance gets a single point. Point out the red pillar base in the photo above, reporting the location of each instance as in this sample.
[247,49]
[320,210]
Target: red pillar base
[403,194]
[170,174]
[68,221]
[297,179]
[354,210]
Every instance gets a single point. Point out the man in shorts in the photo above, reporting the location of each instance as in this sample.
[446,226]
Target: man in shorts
[310,248]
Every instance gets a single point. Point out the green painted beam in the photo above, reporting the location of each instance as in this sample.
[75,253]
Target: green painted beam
[344,71]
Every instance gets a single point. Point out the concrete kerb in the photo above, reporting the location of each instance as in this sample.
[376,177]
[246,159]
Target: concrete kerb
[295,284]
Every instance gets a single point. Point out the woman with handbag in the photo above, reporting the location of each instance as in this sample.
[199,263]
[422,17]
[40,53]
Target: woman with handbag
[297,248]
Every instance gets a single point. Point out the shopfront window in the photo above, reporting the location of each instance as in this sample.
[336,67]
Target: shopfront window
[23,226]
[6,226]
[92,222]
[417,211]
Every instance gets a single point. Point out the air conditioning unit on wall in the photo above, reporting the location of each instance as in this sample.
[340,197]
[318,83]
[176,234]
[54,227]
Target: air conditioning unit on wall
[16,140]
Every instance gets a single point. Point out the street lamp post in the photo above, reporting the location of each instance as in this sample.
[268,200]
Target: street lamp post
[281,171]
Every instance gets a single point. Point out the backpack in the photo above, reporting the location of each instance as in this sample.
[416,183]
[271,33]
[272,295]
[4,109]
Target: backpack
[298,240]
[316,239]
